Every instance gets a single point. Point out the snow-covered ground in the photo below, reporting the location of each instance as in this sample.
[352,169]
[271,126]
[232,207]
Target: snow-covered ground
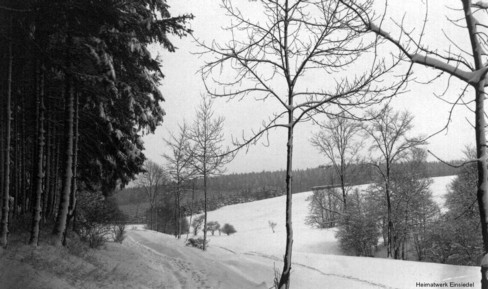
[316,255]
[247,259]
[255,234]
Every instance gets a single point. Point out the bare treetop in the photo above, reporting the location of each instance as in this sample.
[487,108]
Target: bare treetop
[298,41]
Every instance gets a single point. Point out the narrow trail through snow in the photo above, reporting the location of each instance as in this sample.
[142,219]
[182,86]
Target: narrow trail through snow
[190,267]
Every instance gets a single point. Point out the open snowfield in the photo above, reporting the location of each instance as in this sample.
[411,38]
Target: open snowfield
[247,259]
[316,254]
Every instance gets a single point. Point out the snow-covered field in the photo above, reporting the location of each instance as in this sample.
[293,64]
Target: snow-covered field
[247,259]
[317,257]
[255,234]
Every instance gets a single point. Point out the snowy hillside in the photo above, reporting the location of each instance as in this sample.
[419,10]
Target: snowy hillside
[316,252]
[254,233]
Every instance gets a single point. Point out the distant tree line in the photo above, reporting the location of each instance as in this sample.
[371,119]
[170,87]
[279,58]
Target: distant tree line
[226,190]
[78,87]
[304,180]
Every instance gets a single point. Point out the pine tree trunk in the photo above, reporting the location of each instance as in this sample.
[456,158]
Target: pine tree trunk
[36,216]
[6,184]
[14,188]
[61,218]
[72,199]
[47,171]
[54,171]
[23,187]
[2,154]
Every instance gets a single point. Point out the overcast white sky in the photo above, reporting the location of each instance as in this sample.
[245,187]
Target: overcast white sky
[183,86]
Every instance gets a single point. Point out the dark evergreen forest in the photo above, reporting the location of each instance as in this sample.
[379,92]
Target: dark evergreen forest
[78,90]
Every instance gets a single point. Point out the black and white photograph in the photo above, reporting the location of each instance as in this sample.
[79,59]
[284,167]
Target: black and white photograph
[243,144]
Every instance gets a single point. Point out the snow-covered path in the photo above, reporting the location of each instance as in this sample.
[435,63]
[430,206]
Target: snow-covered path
[189,267]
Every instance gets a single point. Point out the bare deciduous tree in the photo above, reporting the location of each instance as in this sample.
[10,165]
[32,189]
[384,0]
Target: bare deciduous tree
[338,141]
[152,181]
[325,208]
[209,157]
[272,58]
[180,167]
[390,144]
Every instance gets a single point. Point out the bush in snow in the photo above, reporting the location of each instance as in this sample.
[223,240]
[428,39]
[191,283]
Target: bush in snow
[213,226]
[118,232]
[358,230]
[95,218]
[454,238]
[196,242]
[324,208]
[164,219]
[228,229]
[197,224]
[272,225]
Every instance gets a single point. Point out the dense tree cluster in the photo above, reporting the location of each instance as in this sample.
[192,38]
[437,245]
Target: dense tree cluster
[78,88]
[454,237]
[398,204]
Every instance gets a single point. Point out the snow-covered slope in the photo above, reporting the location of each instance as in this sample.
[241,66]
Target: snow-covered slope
[255,234]
[317,257]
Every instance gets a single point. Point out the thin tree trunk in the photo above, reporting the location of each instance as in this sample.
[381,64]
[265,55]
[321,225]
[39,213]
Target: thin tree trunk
[47,170]
[285,275]
[6,184]
[23,174]
[176,212]
[178,207]
[55,175]
[61,218]
[191,207]
[205,207]
[343,185]
[389,247]
[15,163]
[36,216]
